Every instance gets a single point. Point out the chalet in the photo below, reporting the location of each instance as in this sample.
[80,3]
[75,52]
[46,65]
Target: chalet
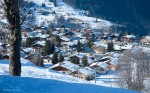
[39,29]
[117,45]
[66,45]
[38,47]
[64,39]
[145,40]
[99,49]
[100,67]
[112,65]
[86,73]
[43,37]
[27,51]
[104,36]
[89,51]
[66,67]
[33,34]
[128,38]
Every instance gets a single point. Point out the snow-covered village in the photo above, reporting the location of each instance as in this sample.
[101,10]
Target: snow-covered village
[65,50]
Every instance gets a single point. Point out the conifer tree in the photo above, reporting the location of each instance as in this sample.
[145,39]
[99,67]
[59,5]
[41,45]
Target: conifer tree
[78,46]
[110,47]
[52,48]
[75,60]
[61,58]
[84,61]
[29,42]
[47,47]
[55,58]
[89,43]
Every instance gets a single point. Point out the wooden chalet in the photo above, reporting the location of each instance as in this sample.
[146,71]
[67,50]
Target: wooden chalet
[66,67]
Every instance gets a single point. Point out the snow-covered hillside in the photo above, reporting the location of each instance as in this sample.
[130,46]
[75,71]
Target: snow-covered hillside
[66,11]
[32,85]
[47,79]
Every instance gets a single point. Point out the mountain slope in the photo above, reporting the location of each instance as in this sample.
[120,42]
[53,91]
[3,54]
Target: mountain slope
[132,13]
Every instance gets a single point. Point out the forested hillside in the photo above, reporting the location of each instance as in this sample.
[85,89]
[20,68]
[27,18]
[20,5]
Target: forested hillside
[134,14]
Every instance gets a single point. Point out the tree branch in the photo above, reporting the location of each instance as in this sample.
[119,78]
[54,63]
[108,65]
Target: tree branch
[25,17]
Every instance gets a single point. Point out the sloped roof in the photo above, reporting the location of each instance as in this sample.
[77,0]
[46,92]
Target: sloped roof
[68,65]
[100,64]
[86,71]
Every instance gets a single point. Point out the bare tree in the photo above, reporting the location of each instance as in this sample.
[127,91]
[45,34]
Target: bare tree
[132,69]
[38,60]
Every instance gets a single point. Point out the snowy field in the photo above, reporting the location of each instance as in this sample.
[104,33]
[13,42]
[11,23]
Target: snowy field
[31,85]
[28,70]
[43,80]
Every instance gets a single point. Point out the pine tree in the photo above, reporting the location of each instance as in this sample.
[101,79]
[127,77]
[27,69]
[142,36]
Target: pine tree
[110,47]
[75,60]
[90,43]
[52,48]
[78,46]
[58,41]
[55,58]
[29,42]
[84,61]
[61,58]
[47,47]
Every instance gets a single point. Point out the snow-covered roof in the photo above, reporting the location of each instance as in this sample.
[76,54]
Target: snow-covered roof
[127,47]
[105,58]
[70,43]
[27,49]
[103,65]
[90,60]
[147,37]
[43,36]
[42,43]
[67,64]
[65,39]
[86,71]
[114,62]
[55,32]
[33,34]
[100,64]
[130,36]
[117,47]
[99,43]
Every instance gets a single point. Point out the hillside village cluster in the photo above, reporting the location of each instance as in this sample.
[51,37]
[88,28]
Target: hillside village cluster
[84,53]
[78,52]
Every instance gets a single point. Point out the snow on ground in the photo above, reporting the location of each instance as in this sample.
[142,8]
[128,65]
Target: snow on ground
[29,70]
[67,11]
[32,85]
[79,14]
